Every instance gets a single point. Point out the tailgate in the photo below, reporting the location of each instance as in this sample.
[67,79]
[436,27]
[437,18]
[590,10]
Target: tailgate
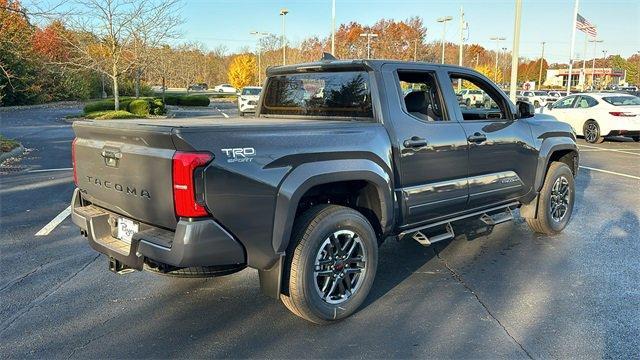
[127,169]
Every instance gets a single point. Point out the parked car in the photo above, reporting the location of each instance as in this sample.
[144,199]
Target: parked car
[330,168]
[538,98]
[198,87]
[471,97]
[597,115]
[225,88]
[248,99]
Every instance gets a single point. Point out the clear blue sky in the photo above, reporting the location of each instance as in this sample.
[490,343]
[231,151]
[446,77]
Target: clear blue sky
[228,22]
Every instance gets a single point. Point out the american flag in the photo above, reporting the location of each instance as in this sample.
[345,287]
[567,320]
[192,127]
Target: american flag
[583,25]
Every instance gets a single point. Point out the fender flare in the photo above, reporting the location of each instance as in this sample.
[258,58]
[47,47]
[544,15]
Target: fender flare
[308,175]
[548,147]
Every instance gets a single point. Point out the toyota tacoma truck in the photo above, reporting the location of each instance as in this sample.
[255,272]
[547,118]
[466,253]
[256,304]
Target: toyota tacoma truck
[342,154]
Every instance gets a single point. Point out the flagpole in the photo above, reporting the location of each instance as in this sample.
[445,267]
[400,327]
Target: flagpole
[573,43]
[584,63]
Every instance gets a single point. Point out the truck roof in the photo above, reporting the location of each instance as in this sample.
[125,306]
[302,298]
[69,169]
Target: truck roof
[356,64]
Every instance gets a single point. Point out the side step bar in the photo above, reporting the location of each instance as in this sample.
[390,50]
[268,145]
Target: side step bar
[489,217]
[426,241]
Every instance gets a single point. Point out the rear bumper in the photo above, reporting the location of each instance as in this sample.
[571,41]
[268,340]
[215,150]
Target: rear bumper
[193,243]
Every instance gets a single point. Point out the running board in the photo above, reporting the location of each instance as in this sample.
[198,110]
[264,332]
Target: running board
[417,233]
[495,219]
[426,241]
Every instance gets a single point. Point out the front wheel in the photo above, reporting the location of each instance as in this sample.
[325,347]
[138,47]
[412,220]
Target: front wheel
[556,200]
[636,138]
[331,264]
[591,132]
[536,104]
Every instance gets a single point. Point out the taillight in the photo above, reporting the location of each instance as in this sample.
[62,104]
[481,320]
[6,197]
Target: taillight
[184,195]
[622,113]
[73,161]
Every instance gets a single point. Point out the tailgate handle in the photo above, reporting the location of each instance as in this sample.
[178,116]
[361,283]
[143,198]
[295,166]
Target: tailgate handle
[111,158]
[111,154]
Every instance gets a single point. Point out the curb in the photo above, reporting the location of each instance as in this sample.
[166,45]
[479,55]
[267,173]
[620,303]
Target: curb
[13,153]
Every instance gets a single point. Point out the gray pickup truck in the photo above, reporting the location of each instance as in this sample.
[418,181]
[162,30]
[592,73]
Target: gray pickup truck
[340,156]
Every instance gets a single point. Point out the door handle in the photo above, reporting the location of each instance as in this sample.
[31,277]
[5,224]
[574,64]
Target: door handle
[477,138]
[415,142]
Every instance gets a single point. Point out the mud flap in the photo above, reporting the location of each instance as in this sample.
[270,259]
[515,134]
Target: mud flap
[530,210]
[271,279]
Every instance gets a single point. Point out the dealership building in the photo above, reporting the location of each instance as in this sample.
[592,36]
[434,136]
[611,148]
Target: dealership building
[597,76]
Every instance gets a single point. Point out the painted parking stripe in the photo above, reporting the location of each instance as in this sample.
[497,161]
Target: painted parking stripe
[605,149]
[610,172]
[55,222]
[47,170]
[224,114]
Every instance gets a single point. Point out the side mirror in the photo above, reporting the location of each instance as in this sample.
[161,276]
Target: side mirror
[525,109]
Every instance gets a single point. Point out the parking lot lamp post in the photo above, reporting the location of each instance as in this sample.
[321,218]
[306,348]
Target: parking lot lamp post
[259,35]
[333,27]
[540,72]
[283,13]
[369,36]
[444,20]
[604,63]
[497,39]
[515,51]
[593,62]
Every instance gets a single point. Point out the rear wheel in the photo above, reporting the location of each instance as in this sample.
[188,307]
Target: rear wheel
[591,132]
[468,102]
[636,138]
[536,104]
[555,203]
[331,264]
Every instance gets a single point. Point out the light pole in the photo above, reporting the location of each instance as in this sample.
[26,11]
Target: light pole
[515,51]
[444,20]
[333,28]
[283,13]
[604,58]
[541,60]
[497,39]
[593,62]
[369,36]
[259,35]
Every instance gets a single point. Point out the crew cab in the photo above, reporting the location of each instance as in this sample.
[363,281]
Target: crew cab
[338,159]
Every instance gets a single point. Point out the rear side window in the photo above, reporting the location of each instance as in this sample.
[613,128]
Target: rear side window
[340,94]
[622,100]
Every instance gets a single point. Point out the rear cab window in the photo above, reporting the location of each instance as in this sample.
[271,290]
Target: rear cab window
[336,94]
[622,100]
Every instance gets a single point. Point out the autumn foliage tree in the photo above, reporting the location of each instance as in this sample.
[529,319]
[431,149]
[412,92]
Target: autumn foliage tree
[242,71]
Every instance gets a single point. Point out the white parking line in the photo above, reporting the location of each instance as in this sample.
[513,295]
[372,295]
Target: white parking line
[604,149]
[45,170]
[610,172]
[224,114]
[55,222]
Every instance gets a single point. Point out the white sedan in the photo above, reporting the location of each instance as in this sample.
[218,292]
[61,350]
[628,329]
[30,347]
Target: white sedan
[596,115]
[225,88]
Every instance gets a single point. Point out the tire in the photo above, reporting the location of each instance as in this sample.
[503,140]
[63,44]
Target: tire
[591,132]
[636,138]
[467,102]
[311,244]
[536,104]
[545,222]
[240,113]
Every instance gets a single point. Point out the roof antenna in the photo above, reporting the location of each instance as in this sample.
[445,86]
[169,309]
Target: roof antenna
[327,57]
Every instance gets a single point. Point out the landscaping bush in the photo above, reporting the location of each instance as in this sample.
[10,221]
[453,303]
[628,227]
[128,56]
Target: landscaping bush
[141,107]
[157,107]
[196,100]
[7,145]
[104,105]
[111,114]
[187,100]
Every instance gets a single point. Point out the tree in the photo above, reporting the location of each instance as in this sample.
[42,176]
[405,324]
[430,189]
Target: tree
[242,71]
[111,36]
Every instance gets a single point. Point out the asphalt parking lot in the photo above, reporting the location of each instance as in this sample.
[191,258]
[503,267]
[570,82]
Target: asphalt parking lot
[512,294]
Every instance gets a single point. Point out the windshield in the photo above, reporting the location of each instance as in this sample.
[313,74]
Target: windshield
[345,93]
[249,91]
[622,100]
